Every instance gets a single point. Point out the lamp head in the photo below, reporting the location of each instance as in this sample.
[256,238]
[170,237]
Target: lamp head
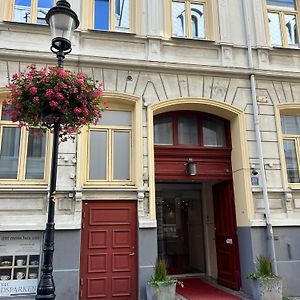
[63,21]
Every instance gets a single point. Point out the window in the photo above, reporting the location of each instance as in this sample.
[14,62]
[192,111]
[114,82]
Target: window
[31,11]
[113,15]
[109,151]
[291,142]
[22,153]
[283,22]
[189,19]
[186,129]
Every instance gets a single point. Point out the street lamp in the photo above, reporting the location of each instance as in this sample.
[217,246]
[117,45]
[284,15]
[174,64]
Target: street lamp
[63,21]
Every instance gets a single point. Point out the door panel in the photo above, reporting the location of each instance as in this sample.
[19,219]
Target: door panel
[108,267]
[226,236]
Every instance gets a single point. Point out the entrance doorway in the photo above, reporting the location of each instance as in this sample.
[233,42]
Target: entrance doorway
[196,230]
[195,210]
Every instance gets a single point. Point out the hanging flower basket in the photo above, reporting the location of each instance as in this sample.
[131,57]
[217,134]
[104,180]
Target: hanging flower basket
[40,98]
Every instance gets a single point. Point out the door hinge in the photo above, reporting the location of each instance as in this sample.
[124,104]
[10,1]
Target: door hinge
[81,281]
[82,225]
[80,293]
[83,215]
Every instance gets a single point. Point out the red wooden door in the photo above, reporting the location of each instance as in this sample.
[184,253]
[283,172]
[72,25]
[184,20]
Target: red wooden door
[108,267]
[226,237]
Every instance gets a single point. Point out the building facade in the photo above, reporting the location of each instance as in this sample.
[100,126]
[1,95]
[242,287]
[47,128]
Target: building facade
[197,152]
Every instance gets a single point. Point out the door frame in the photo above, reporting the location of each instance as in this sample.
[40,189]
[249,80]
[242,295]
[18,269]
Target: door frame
[239,156]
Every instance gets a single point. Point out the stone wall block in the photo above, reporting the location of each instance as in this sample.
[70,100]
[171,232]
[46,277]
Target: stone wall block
[207,86]
[130,85]
[242,98]
[4,76]
[195,86]
[287,91]
[88,71]
[183,85]
[220,88]
[109,80]
[171,85]
[98,74]
[279,91]
[296,91]
[121,80]
[150,95]
[270,89]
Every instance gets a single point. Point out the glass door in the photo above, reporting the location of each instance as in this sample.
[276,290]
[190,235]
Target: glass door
[180,227]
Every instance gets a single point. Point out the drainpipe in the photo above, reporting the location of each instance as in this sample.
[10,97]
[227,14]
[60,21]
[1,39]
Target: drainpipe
[270,234]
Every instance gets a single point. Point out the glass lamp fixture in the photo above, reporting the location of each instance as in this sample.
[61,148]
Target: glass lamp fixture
[63,21]
[191,167]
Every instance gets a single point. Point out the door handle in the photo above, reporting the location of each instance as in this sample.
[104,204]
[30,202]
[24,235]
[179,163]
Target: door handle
[131,254]
[229,241]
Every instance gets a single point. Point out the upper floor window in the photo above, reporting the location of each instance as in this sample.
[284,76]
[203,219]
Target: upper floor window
[189,18]
[187,129]
[291,142]
[22,152]
[113,15]
[110,147]
[31,11]
[283,22]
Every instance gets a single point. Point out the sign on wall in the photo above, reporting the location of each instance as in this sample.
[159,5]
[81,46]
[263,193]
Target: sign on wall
[19,262]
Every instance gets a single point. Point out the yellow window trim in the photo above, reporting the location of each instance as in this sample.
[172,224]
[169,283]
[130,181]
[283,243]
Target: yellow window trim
[21,180]
[121,102]
[9,10]
[281,13]
[288,109]
[88,16]
[209,18]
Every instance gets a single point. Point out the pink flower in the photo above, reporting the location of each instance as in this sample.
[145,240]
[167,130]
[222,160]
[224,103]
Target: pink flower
[15,76]
[59,96]
[77,110]
[49,93]
[4,102]
[53,104]
[18,106]
[36,100]
[33,90]
[74,90]
[79,81]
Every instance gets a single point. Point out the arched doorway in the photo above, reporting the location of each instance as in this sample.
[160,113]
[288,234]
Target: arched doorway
[195,209]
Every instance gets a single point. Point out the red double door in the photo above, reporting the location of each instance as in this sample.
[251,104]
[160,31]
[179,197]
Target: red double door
[108,266]
[226,236]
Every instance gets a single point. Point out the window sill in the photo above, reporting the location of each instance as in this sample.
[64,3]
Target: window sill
[284,48]
[21,24]
[183,38]
[107,32]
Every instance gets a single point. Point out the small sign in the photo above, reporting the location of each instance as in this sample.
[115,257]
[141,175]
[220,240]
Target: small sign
[254,180]
[19,262]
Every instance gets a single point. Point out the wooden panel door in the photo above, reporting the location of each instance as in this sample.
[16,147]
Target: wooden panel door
[108,267]
[226,236]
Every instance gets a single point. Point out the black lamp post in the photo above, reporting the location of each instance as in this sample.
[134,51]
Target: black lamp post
[63,21]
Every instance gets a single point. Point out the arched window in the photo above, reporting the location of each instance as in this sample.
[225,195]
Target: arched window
[190,129]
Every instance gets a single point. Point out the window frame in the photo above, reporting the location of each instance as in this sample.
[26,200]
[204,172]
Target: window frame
[110,129]
[116,102]
[22,159]
[296,139]
[200,116]
[209,19]
[282,13]
[33,12]
[90,15]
